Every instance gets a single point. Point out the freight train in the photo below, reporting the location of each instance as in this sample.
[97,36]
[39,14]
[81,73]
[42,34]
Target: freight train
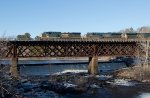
[92,35]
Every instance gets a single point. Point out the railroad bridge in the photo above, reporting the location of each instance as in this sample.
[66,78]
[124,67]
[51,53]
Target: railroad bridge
[92,48]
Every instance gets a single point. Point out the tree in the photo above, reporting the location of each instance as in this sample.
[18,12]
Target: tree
[20,37]
[144,29]
[37,38]
[27,35]
[128,30]
[6,86]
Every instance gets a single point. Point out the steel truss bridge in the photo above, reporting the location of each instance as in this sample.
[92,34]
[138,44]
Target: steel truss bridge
[92,48]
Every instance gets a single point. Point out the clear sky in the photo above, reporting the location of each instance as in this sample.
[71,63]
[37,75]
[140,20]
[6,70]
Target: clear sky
[37,16]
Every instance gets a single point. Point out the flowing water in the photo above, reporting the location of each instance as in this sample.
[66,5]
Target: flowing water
[118,89]
[61,67]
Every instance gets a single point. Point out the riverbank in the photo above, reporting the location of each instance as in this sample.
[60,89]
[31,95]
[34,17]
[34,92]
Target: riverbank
[51,85]
[139,73]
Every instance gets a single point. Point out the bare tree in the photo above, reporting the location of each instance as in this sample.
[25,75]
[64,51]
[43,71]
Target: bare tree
[144,29]
[4,72]
[128,30]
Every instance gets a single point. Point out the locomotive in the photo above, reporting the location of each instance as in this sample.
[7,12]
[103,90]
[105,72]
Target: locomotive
[63,35]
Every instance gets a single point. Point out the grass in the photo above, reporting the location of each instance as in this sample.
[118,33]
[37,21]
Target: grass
[140,73]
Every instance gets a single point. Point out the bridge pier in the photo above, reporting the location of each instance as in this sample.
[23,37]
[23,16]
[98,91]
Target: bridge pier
[14,68]
[93,65]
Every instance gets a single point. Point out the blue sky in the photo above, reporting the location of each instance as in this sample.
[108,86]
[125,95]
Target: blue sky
[37,16]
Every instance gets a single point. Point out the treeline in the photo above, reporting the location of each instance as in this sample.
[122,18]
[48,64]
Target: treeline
[25,36]
[144,29]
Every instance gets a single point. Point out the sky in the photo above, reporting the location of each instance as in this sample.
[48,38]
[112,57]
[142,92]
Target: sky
[37,16]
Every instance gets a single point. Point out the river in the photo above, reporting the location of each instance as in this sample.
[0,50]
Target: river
[61,66]
[119,88]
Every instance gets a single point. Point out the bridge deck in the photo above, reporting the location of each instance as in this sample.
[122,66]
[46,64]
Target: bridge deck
[91,40]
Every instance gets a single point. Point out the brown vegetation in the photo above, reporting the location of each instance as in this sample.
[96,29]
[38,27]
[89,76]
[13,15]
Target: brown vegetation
[140,73]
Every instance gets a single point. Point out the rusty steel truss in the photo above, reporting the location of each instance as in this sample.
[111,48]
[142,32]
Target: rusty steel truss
[23,49]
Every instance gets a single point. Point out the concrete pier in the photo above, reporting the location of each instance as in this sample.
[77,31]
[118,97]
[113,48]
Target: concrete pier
[93,65]
[14,68]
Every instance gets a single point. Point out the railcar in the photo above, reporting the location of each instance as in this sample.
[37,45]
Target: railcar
[118,35]
[94,35]
[103,35]
[131,35]
[138,35]
[74,35]
[143,35]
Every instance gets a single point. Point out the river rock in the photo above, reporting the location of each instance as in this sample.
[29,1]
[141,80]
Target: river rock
[62,88]
[29,86]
